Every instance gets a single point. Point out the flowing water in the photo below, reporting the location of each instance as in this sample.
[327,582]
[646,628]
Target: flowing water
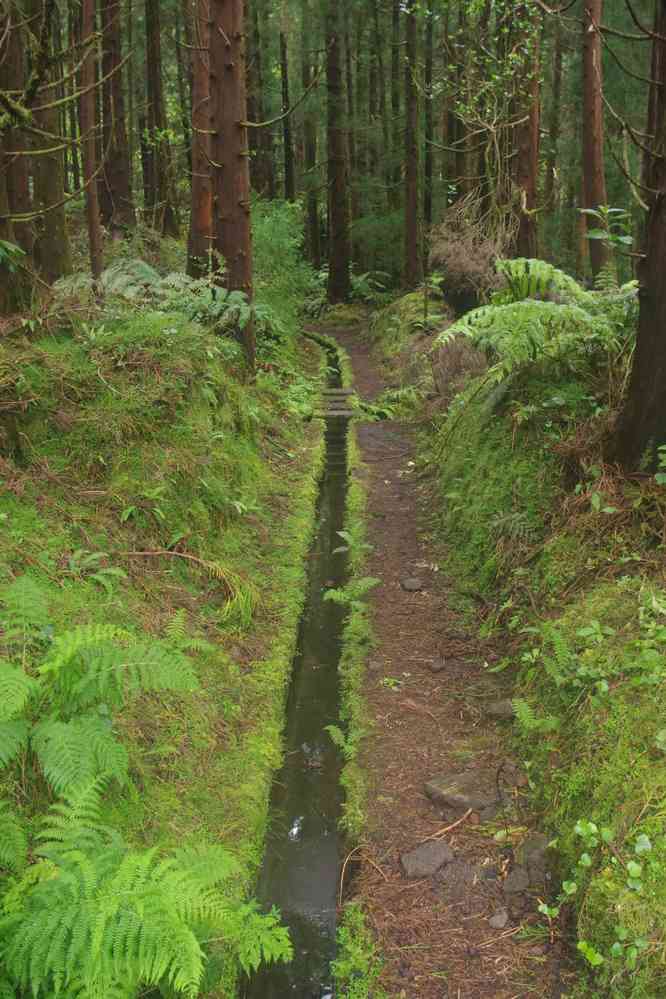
[302,859]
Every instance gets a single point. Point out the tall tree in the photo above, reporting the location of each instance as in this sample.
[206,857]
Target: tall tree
[527,132]
[313,237]
[164,217]
[288,144]
[230,152]
[201,215]
[339,244]
[262,166]
[594,175]
[642,425]
[116,205]
[88,123]
[429,133]
[413,273]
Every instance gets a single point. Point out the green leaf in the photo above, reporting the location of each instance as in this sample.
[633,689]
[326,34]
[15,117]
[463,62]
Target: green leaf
[643,844]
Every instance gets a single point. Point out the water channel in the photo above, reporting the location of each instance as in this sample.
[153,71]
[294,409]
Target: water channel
[302,859]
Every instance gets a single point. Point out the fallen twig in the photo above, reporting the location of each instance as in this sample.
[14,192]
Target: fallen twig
[446,829]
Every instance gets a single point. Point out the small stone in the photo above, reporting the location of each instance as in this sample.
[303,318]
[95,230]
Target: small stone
[412,584]
[499,920]
[517,881]
[471,789]
[500,710]
[437,665]
[457,878]
[533,854]
[426,859]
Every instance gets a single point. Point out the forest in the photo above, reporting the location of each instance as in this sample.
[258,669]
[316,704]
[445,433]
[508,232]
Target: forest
[332,341]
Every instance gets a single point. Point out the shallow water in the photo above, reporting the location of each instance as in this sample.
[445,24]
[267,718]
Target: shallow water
[302,859]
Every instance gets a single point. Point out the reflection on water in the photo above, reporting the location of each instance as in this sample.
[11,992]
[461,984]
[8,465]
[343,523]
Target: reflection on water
[302,862]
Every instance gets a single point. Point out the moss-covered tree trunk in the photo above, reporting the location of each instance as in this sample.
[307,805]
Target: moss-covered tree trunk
[201,217]
[165,218]
[594,175]
[87,117]
[116,205]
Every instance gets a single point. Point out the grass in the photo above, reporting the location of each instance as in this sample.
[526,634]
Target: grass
[146,484]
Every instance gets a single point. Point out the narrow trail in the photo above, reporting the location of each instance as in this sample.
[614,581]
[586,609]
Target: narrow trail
[457,918]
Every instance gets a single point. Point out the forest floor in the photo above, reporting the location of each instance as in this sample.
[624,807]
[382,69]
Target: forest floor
[450,883]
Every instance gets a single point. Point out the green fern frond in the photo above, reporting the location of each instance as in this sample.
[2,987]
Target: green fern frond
[537,279]
[13,842]
[75,752]
[176,630]
[16,690]
[25,614]
[89,665]
[75,821]
[13,740]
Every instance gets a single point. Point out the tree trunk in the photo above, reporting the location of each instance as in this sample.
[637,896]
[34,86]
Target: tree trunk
[527,140]
[261,139]
[87,119]
[396,144]
[413,250]
[116,205]
[429,117]
[642,426]
[231,159]
[383,105]
[312,232]
[184,75]
[52,251]
[165,219]
[339,246]
[288,144]
[201,221]
[594,177]
[12,77]
[554,125]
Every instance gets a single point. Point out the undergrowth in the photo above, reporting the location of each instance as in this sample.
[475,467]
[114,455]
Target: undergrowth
[146,486]
[565,558]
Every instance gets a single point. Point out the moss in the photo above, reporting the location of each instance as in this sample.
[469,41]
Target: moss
[140,445]
[358,965]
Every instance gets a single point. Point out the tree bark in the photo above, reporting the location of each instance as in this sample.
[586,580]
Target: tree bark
[413,272]
[12,77]
[52,251]
[527,139]
[116,205]
[339,246]
[429,133]
[201,219]
[184,75]
[594,177]
[165,219]
[312,231]
[231,158]
[642,425]
[554,125]
[88,123]
[261,139]
[396,144]
[288,144]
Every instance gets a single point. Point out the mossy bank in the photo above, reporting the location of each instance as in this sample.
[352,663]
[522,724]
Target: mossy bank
[150,489]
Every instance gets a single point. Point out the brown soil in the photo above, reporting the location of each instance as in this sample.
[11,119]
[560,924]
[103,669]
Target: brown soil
[434,934]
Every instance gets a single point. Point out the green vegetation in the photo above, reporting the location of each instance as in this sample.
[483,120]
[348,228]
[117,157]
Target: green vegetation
[358,966]
[569,555]
[147,649]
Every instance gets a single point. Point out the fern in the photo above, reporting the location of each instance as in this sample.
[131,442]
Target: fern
[88,665]
[538,279]
[13,740]
[13,842]
[530,722]
[16,690]
[109,920]
[25,617]
[558,661]
[73,753]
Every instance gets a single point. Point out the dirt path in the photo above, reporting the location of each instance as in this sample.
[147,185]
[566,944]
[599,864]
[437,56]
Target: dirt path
[459,931]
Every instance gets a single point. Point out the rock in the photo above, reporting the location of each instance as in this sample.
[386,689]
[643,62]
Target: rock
[499,920]
[533,855]
[412,584]
[457,878]
[517,881]
[437,665]
[490,873]
[500,710]
[426,859]
[475,789]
